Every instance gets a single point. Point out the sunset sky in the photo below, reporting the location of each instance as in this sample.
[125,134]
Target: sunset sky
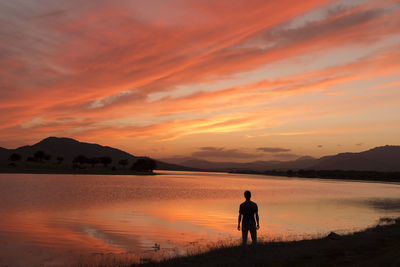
[220,80]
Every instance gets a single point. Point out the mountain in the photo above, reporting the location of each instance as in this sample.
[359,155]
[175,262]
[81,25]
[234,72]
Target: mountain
[209,165]
[69,148]
[237,166]
[384,158]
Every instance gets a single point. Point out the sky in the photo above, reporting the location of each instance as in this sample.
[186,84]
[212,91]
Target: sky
[219,80]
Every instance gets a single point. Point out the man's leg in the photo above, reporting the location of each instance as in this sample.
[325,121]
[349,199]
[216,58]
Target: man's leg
[245,231]
[253,233]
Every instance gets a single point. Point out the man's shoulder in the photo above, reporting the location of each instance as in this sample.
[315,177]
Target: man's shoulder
[244,205]
[248,203]
[253,203]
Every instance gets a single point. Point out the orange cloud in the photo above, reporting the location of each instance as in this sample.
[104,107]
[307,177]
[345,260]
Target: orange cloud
[89,71]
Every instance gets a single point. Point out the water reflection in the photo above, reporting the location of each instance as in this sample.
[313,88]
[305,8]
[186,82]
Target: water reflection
[51,219]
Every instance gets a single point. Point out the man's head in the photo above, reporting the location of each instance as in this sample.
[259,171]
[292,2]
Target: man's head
[247,194]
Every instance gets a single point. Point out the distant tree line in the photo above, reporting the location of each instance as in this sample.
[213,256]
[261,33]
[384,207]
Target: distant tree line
[330,174]
[38,156]
[144,165]
[15,157]
[140,165]
[81,160]
[337,174]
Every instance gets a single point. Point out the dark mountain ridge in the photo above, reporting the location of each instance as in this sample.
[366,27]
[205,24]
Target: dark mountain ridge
[238,166]
[69,148]
[384,159]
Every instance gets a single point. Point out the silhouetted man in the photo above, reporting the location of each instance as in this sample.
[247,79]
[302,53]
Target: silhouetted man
[249,211]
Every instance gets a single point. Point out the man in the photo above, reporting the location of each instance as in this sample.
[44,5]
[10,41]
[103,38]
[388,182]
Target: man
[249,211]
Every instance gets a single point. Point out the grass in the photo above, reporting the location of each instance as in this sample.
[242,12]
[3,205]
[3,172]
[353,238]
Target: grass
[377,246]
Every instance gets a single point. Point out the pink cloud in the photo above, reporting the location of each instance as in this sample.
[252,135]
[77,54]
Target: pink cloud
[67,69]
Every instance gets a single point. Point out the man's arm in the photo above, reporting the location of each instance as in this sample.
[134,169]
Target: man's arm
[258,220]
[239,219]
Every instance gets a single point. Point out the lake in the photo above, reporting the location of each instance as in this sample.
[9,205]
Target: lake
[60,219]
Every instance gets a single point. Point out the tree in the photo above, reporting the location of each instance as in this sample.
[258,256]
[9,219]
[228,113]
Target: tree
[81,159]
[39,155]
[47,157]
[123,162]
[31,159]
[15,157]
[144,165]
[59,159]
[105,160]
[93,161]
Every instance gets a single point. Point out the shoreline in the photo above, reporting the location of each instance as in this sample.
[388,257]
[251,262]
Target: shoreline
[376,246]
[159,172]
[352,176]
[88,172]
[332,179]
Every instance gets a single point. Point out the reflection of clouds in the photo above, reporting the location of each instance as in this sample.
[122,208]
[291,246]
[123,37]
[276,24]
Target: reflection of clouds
[113,239]
[130,214]
[389,204]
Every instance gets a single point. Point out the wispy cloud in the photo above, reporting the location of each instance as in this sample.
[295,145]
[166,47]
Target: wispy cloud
[259,69]
[220,152]
[31,123]
[273,149]
[286,156]
[117,98]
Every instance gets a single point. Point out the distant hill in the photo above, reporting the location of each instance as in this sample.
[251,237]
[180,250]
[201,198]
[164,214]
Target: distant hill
[69,148]
[210,165]
[236,166]
[385,158]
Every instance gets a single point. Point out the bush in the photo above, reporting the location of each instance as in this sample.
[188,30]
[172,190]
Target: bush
[105,160]
[15,157]
[144,165]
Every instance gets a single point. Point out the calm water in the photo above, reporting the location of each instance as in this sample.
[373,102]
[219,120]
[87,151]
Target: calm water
[58,219]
